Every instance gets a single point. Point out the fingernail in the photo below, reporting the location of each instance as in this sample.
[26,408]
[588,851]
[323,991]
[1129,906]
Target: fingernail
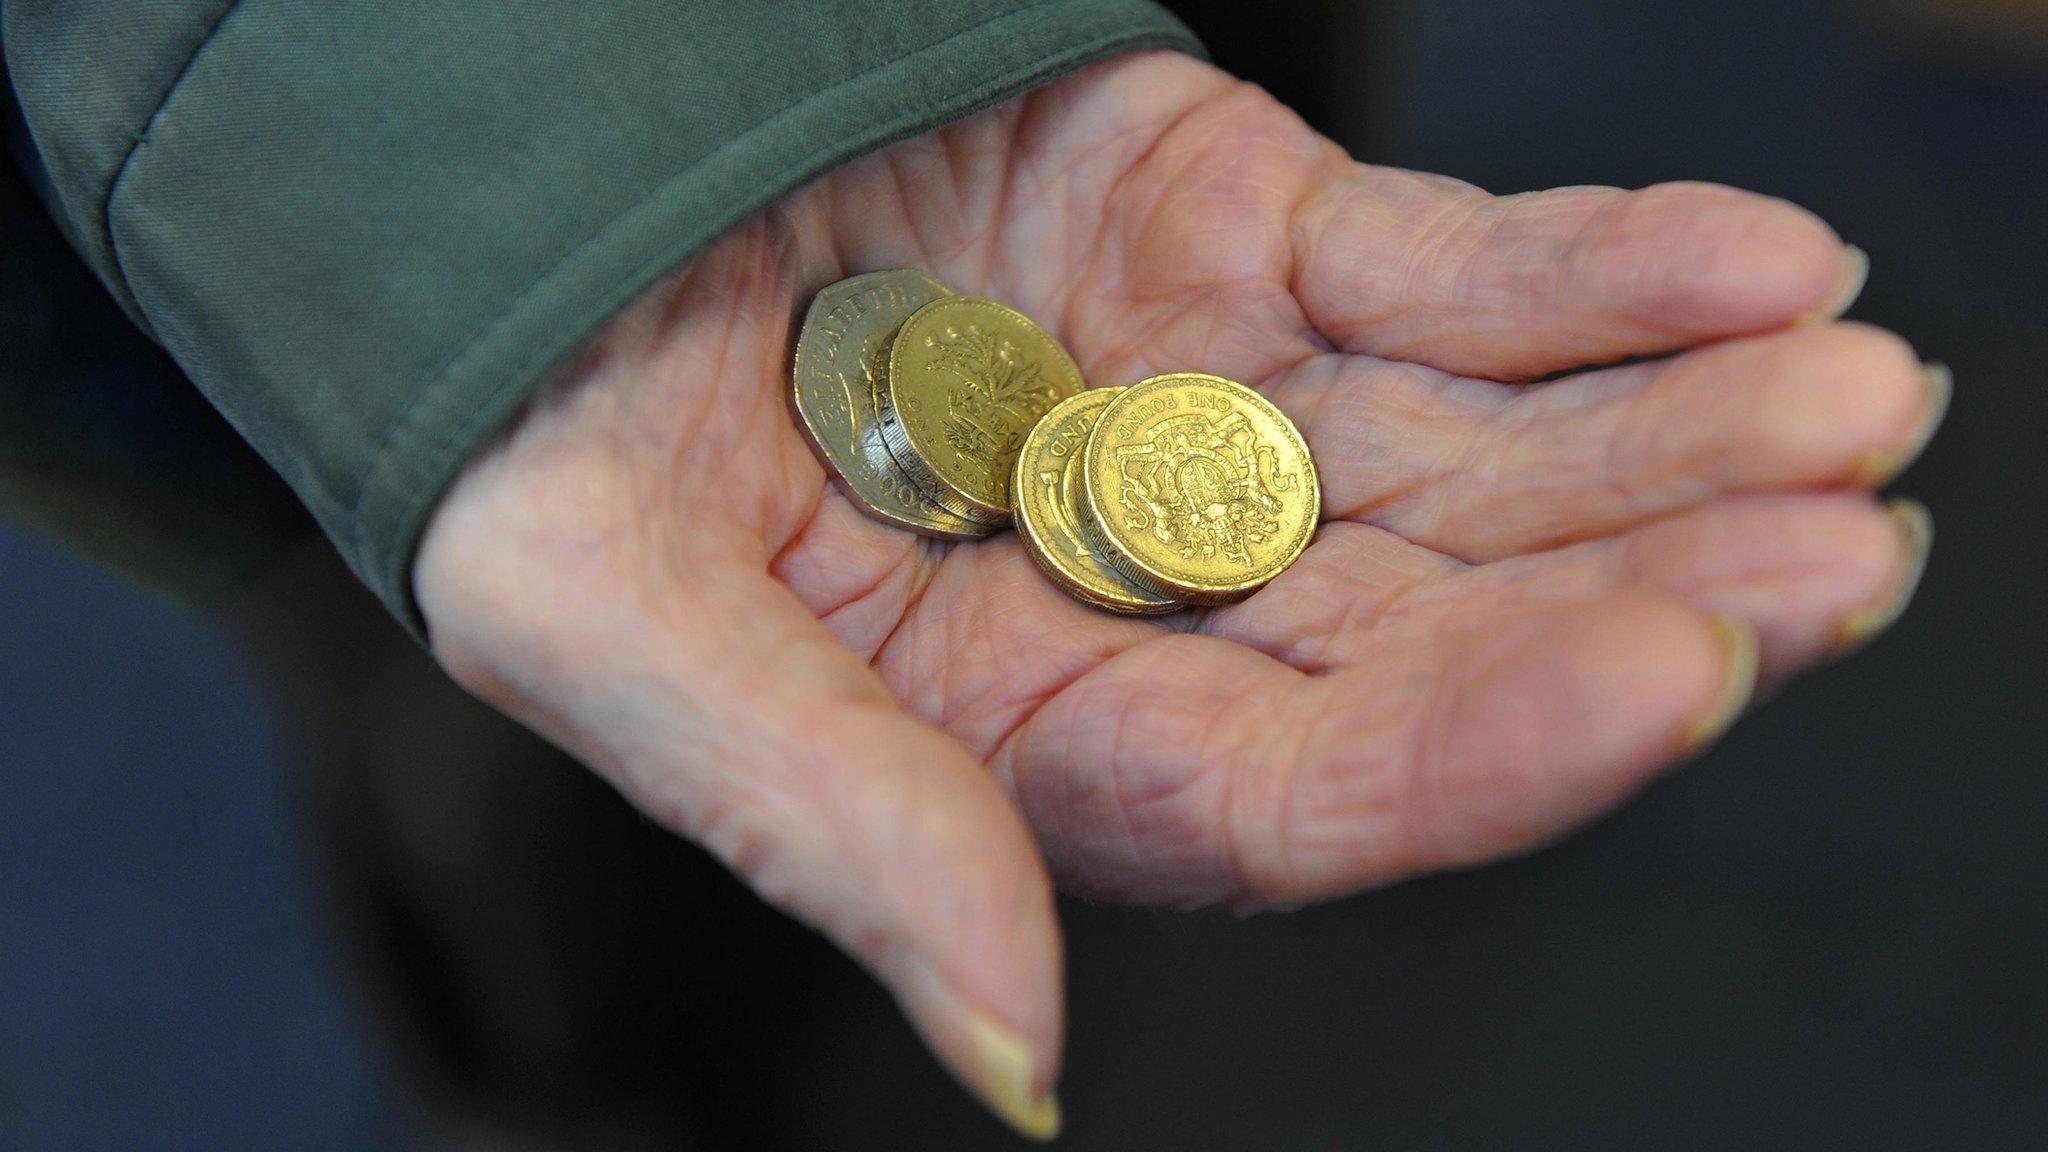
[1883,466]
[1739,651]
[1004,1074]
[1916,527]
[1855,274]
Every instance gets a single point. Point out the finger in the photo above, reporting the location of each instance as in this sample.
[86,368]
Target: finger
[1433,271]
[1481,471]
[1812,575]
[1529,731]
[1194,771]
[734,718]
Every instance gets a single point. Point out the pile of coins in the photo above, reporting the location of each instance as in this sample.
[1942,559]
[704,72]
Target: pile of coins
[952,416]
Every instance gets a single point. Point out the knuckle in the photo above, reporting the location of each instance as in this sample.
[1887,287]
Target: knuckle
[732,829]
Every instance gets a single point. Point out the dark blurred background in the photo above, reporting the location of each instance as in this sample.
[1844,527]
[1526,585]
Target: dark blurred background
[267,881]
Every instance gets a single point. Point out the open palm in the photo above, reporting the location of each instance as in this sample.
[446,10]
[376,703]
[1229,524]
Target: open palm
[1524,600]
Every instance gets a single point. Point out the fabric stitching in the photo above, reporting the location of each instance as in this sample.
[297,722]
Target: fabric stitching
[141,138]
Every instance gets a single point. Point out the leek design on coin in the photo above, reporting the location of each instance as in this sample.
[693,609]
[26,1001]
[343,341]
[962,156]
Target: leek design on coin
[967,381]
[841,354]
[1203,485]
[1053,518]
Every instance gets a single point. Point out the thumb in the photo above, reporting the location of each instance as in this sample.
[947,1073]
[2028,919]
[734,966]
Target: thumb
[773,746]
[899,845]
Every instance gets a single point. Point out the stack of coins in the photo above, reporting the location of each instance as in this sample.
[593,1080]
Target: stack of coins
[951,416]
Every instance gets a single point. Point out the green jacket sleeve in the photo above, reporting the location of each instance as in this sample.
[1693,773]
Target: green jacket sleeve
[366,230]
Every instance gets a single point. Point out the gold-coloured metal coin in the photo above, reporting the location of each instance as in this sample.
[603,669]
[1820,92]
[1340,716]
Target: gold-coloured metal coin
[968,379]
[1053,517]
[841,354]
[1203,485]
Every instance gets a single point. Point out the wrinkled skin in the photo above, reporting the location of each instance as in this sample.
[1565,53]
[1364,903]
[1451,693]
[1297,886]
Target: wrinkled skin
[1524,601]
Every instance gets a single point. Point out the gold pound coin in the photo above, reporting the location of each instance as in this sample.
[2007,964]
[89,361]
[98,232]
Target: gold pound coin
[967,381]
[841,353]
[1053,517]
[1203,485]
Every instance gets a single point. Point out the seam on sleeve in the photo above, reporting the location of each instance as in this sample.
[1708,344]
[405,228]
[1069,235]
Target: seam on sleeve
[140,137]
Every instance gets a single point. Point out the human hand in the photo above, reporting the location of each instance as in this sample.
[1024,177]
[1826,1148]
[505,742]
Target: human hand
[1525,598]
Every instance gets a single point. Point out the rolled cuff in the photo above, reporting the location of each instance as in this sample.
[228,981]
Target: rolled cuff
[367,235]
